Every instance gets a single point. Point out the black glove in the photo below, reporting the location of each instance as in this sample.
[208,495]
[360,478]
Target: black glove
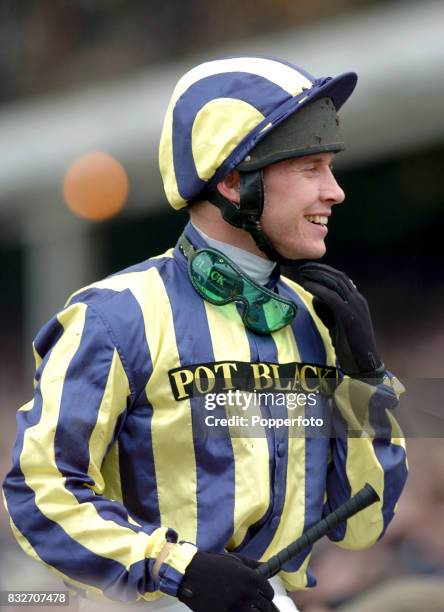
[251,563]
[345,312]
[225,583]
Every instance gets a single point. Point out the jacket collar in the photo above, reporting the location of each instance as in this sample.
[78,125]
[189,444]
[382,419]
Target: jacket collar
[199,242]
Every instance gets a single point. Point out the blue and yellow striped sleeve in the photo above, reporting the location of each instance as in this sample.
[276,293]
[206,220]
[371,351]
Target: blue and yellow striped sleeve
[368,447]
[54,492]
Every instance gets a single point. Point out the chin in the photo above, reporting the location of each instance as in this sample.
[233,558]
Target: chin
[311,251]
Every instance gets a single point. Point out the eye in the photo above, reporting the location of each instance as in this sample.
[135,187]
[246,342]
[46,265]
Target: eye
[311,169]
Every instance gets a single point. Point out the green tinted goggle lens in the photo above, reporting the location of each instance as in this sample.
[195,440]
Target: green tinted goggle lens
[219,281]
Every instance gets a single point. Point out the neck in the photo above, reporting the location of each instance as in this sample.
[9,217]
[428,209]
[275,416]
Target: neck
[208,219]
[257,268]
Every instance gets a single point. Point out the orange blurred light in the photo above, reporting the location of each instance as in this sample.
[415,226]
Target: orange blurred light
[95,186]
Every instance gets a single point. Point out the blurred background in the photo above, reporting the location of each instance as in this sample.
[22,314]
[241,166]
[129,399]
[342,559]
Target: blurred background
[87,76]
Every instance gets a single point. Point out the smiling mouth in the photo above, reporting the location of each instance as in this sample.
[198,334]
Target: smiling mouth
[317,219]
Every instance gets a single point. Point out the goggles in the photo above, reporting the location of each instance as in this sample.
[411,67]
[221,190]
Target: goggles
[219,281]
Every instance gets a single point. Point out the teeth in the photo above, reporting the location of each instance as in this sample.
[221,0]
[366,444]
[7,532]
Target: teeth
[317,219]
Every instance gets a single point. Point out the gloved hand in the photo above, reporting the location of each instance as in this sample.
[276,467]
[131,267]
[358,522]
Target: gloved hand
[225,583]
[251,563]
[345,312]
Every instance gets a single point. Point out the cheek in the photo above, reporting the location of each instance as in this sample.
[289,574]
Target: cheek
[279,201]
[281,225]
[286,200]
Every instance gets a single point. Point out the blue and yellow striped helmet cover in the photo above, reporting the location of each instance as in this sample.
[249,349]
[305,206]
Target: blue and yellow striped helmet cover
[220,109]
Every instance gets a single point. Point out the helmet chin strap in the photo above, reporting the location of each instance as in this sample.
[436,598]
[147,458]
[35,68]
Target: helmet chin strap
[248,212]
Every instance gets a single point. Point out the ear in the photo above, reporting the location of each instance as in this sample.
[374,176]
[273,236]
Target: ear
[229,187]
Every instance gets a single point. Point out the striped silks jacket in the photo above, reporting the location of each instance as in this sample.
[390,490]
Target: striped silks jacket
[112,456]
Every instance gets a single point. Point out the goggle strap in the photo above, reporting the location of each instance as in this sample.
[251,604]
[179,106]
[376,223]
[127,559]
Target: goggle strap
[186,247]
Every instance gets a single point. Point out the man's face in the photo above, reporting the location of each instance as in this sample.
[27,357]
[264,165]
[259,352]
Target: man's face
[296,191]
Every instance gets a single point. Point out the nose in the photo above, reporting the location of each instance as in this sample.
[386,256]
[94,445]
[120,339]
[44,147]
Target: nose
[331,192]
